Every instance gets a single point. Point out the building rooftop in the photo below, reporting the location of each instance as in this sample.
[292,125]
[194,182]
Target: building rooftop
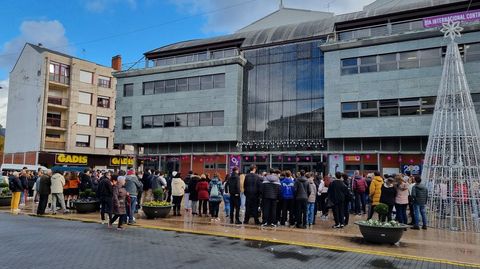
[319,24]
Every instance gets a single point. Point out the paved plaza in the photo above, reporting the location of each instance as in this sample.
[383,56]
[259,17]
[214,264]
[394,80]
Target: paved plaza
[59,243]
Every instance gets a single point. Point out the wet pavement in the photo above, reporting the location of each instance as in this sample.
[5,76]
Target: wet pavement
[54,243]
[434,245]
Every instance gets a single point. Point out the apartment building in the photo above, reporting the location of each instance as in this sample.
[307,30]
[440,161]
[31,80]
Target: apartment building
[61,111]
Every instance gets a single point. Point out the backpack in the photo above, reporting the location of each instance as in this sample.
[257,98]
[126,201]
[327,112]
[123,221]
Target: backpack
[214,191]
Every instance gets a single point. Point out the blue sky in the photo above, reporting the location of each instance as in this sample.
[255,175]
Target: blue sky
[96,30]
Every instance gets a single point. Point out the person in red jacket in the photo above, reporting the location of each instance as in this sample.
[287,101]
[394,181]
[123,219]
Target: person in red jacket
[359,187]
[202,190]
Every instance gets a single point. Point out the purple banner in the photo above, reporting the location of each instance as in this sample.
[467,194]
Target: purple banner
[435,21]
[234,161]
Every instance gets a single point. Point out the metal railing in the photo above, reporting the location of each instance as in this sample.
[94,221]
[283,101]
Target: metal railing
[59,78]
[55,145]
[59,101]
[54,122]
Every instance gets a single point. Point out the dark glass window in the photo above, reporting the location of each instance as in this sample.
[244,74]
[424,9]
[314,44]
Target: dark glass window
[368,109]
[127,123]
[181,120]
[387,62]
[128,90]
[169,120]
[473,52]
[409,106]
[408,59]
[350,110]
[158,121]
[389,107]
[349,66]
[217,118]
[205,118]
[219,81]
[428,105]
[182,85]
[59,73]
[206,82]
[194,83]
[148,88]
[193,119]
[102,122]
[430,57]
[103,102]
[170,85]
[159,86]
[368,64]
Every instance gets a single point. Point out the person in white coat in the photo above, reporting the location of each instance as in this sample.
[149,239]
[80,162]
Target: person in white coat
[58,181]
[178,190]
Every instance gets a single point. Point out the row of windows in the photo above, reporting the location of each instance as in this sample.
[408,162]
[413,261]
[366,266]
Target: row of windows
[86,98]
[405,60]
[84,141]
[197,57]
[389,107]
[60,73]
[209,118]
[216,81]
[85,120]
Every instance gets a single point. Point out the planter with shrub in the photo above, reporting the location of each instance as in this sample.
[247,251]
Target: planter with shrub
[381,231]
[87,203]
[5,195]
[156,209]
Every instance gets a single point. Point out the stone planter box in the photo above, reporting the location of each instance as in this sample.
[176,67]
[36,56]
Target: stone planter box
[153,212]
[5,201]
[84,207]
[381,235]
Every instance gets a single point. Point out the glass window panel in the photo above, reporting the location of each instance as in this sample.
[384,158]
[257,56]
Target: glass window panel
[430,57]
[251,85]
[181,120]
[349,62]
[428,101]
[275,93]
[181,59]
[408,59]
[368,64]
[202,56]
[369,113]
[304,79]
[350,106]
[230,53]
[289,81]
[413,110]
[368,60]
[170,85]
[473,52]
[217,54]
[158,121]
[349,70]
[409,102]
[218,118]
[262,83]
[205,118]
[368,104]
[169,120]
[193,119]
[159,86]
[251,118]
[219,81]
[128,90]
[389,103]
[206,82]
[148,88]
[274,124]
[182,84]
[127,123]
[147,121]
[385,112]
[387,62]
[260,120]
[194,83]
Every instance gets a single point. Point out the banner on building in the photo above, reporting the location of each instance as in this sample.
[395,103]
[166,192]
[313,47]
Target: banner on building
[117,161]
[412,169]
[436,21]
[335,164]
[234,161]
[71,159]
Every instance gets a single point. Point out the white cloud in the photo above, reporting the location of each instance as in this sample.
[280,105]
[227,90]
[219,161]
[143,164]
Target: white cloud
[3,101]
[99,6]
[50,33]
[235,14]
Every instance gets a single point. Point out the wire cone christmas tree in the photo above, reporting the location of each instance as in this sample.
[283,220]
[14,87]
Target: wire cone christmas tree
[452,160]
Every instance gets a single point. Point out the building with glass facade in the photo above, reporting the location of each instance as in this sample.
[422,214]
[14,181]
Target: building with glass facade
[346,92]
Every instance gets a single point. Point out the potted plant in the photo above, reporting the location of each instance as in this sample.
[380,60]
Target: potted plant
[157,208]
[381,231]
[5,194]
[87,203]
[158,194]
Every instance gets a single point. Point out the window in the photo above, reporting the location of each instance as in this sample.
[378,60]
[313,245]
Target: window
[159,87]
[148,88]
[104,81]
[368,64]
[368,109]
[430,57]
[147,121]
[229,53]
[82,141]
[387,62]
[217,118]
[127,123]
[193,119]
[103,101]
[169,120]
[219,81]
[349,66]
[408,59]
[83,119]
[206,82]
[55,120]
[181,120]
[473,52]
[86,76]
[158,121]
[102,122]
[428,105]
[216,54]
[59,73]
[350,110]
[53,136]
[101,142]
[128,90]
[476,102]
[85,98]
[194,83]
[409,106]
[170,85]
[205,118]
[182,84]
[388,107]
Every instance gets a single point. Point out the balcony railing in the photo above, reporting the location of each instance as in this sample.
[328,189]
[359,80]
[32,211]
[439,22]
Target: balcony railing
[55,145]
[59,78]
[54,122]
[59,101]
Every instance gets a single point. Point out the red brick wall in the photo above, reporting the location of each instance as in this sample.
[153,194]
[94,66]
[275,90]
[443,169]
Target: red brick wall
[8,158]
[30,158]
[18,158]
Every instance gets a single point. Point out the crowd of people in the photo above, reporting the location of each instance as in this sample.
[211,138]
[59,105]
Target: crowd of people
[270,199]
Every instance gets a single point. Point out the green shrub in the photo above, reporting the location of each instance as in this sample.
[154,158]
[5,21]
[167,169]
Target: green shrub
[381,209]
[3,185]
[158,194]
[157,203]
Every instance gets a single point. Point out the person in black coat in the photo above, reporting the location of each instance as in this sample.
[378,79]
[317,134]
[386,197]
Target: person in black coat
[388,194]
[105,194]
[193,196]
[270,194]
[301,190]
[336,196]
[85,180]
[234,190]
[44,192]
[252,186]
